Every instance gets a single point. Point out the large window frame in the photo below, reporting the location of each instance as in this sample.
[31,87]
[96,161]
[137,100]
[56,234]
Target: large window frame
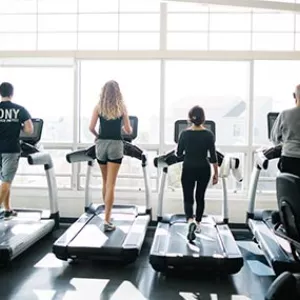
[17,58]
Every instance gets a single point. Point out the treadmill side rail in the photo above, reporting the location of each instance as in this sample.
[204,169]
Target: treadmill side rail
[60,247]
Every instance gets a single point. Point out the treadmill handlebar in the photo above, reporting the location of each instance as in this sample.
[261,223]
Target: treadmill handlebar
[40,158]
[263,156]
[89,154]
[170,158]
[27,149]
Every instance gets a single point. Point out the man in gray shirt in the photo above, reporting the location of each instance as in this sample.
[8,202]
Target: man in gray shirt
[286,131]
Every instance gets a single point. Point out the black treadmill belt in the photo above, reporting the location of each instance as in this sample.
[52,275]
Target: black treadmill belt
[92,235]
[206,243]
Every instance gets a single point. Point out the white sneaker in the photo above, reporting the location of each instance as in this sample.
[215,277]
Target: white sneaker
[198,229]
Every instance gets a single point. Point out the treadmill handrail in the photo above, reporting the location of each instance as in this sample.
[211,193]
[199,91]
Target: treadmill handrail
[170,158]
[89,154]
[264,155]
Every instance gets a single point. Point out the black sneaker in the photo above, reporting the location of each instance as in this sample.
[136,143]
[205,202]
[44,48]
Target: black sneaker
[191,234]
[8,214]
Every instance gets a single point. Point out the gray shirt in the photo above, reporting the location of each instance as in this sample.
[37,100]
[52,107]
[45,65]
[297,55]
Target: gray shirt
[286,131]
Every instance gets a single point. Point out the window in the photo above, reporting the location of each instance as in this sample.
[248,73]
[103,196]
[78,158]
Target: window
[57,41]
[34,176]
[274,22]
[229,41]
[139,6]
[18,23]
[57,6]
[139,41]
[274,84]
[18,41]
[98,41]
[95,6]
[220,87]
[139,22]
[187,41]
[47,93]
[57,23]
[187,22]
[140,85]
[237,130]
[230,22]
[18,6]
[186,7]
[273,41]
[98,22]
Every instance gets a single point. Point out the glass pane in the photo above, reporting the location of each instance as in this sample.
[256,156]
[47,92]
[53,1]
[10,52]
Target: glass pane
[59,160]
[174,177]
[95,6]
[97,41]
[186,7]
[139,41]
[139,6]
[52,99]
[220,87]
[18,6]
[228,9]
[18,23]
[18,41]
[57,6]
[57,41]
[274,84]
[276,22]
[121,184]
[230,22]
[273,41]
[100,22]
[187,41]
[297,41]
[141,100]
[139,22]
[129,166]
[58,23]
[40,181]
[297,23]
[230,41]
[188,22]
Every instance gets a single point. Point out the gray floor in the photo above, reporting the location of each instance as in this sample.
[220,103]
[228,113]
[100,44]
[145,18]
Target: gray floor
[37,274]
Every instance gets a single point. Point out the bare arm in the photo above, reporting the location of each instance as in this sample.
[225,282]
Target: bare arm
[94,121]
[28,126]
[127,127]
[276,132]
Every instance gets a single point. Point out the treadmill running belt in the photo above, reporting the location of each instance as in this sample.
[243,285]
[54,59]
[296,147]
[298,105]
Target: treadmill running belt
[93,238]
[206,243]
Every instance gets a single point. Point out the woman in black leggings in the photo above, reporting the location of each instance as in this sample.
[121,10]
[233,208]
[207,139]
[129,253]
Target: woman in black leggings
[195,143]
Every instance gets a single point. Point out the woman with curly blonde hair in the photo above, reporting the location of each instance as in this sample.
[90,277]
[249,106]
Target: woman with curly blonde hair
[110,111]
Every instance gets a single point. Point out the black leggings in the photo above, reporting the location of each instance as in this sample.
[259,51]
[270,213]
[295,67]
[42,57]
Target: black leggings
[289,165]
[189,177]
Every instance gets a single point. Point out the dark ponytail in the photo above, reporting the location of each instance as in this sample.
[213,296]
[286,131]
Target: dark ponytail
[197,115]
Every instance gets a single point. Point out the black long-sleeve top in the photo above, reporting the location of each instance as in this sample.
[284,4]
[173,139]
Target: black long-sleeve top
[195,145]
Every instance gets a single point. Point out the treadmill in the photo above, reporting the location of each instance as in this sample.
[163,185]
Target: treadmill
[85,238]
[215,248]
[19,233]
[276,250]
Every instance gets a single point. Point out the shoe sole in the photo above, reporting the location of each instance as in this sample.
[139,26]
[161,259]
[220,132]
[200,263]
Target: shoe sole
[191,235]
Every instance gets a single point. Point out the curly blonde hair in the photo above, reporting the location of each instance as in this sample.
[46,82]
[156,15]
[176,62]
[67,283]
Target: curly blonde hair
[111,105]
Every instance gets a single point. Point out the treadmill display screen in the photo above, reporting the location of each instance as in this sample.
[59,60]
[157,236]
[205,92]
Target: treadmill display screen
[134,125]
[37,132]
[272,116]
[181,125]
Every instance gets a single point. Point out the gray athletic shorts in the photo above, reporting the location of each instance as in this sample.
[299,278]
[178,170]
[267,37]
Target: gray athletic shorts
[9,163]
[109,151]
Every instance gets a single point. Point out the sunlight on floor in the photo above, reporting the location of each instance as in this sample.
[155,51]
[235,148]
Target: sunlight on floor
[25,228]
[127,291]
[44,294]
[49,261]
[198,296]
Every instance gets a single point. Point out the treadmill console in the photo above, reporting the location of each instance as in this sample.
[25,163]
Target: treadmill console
[35,137]
[272,116]
[134,121]
[181,125]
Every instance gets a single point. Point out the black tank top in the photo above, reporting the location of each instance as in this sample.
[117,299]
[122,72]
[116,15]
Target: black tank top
[110,129]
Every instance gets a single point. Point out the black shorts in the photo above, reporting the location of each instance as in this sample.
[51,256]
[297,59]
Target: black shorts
[115,161]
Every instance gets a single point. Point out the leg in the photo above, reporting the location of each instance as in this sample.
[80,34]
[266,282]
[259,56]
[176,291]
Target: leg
[188,186]
[202,184]
[103,168]
[10,163]
[290,165]
[112,173]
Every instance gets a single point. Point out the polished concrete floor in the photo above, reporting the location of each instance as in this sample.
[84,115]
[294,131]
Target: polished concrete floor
[38,275]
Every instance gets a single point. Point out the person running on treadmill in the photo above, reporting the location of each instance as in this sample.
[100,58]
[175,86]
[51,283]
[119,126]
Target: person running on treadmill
[13,119]
[110,111]
[195,143]
[286,131]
